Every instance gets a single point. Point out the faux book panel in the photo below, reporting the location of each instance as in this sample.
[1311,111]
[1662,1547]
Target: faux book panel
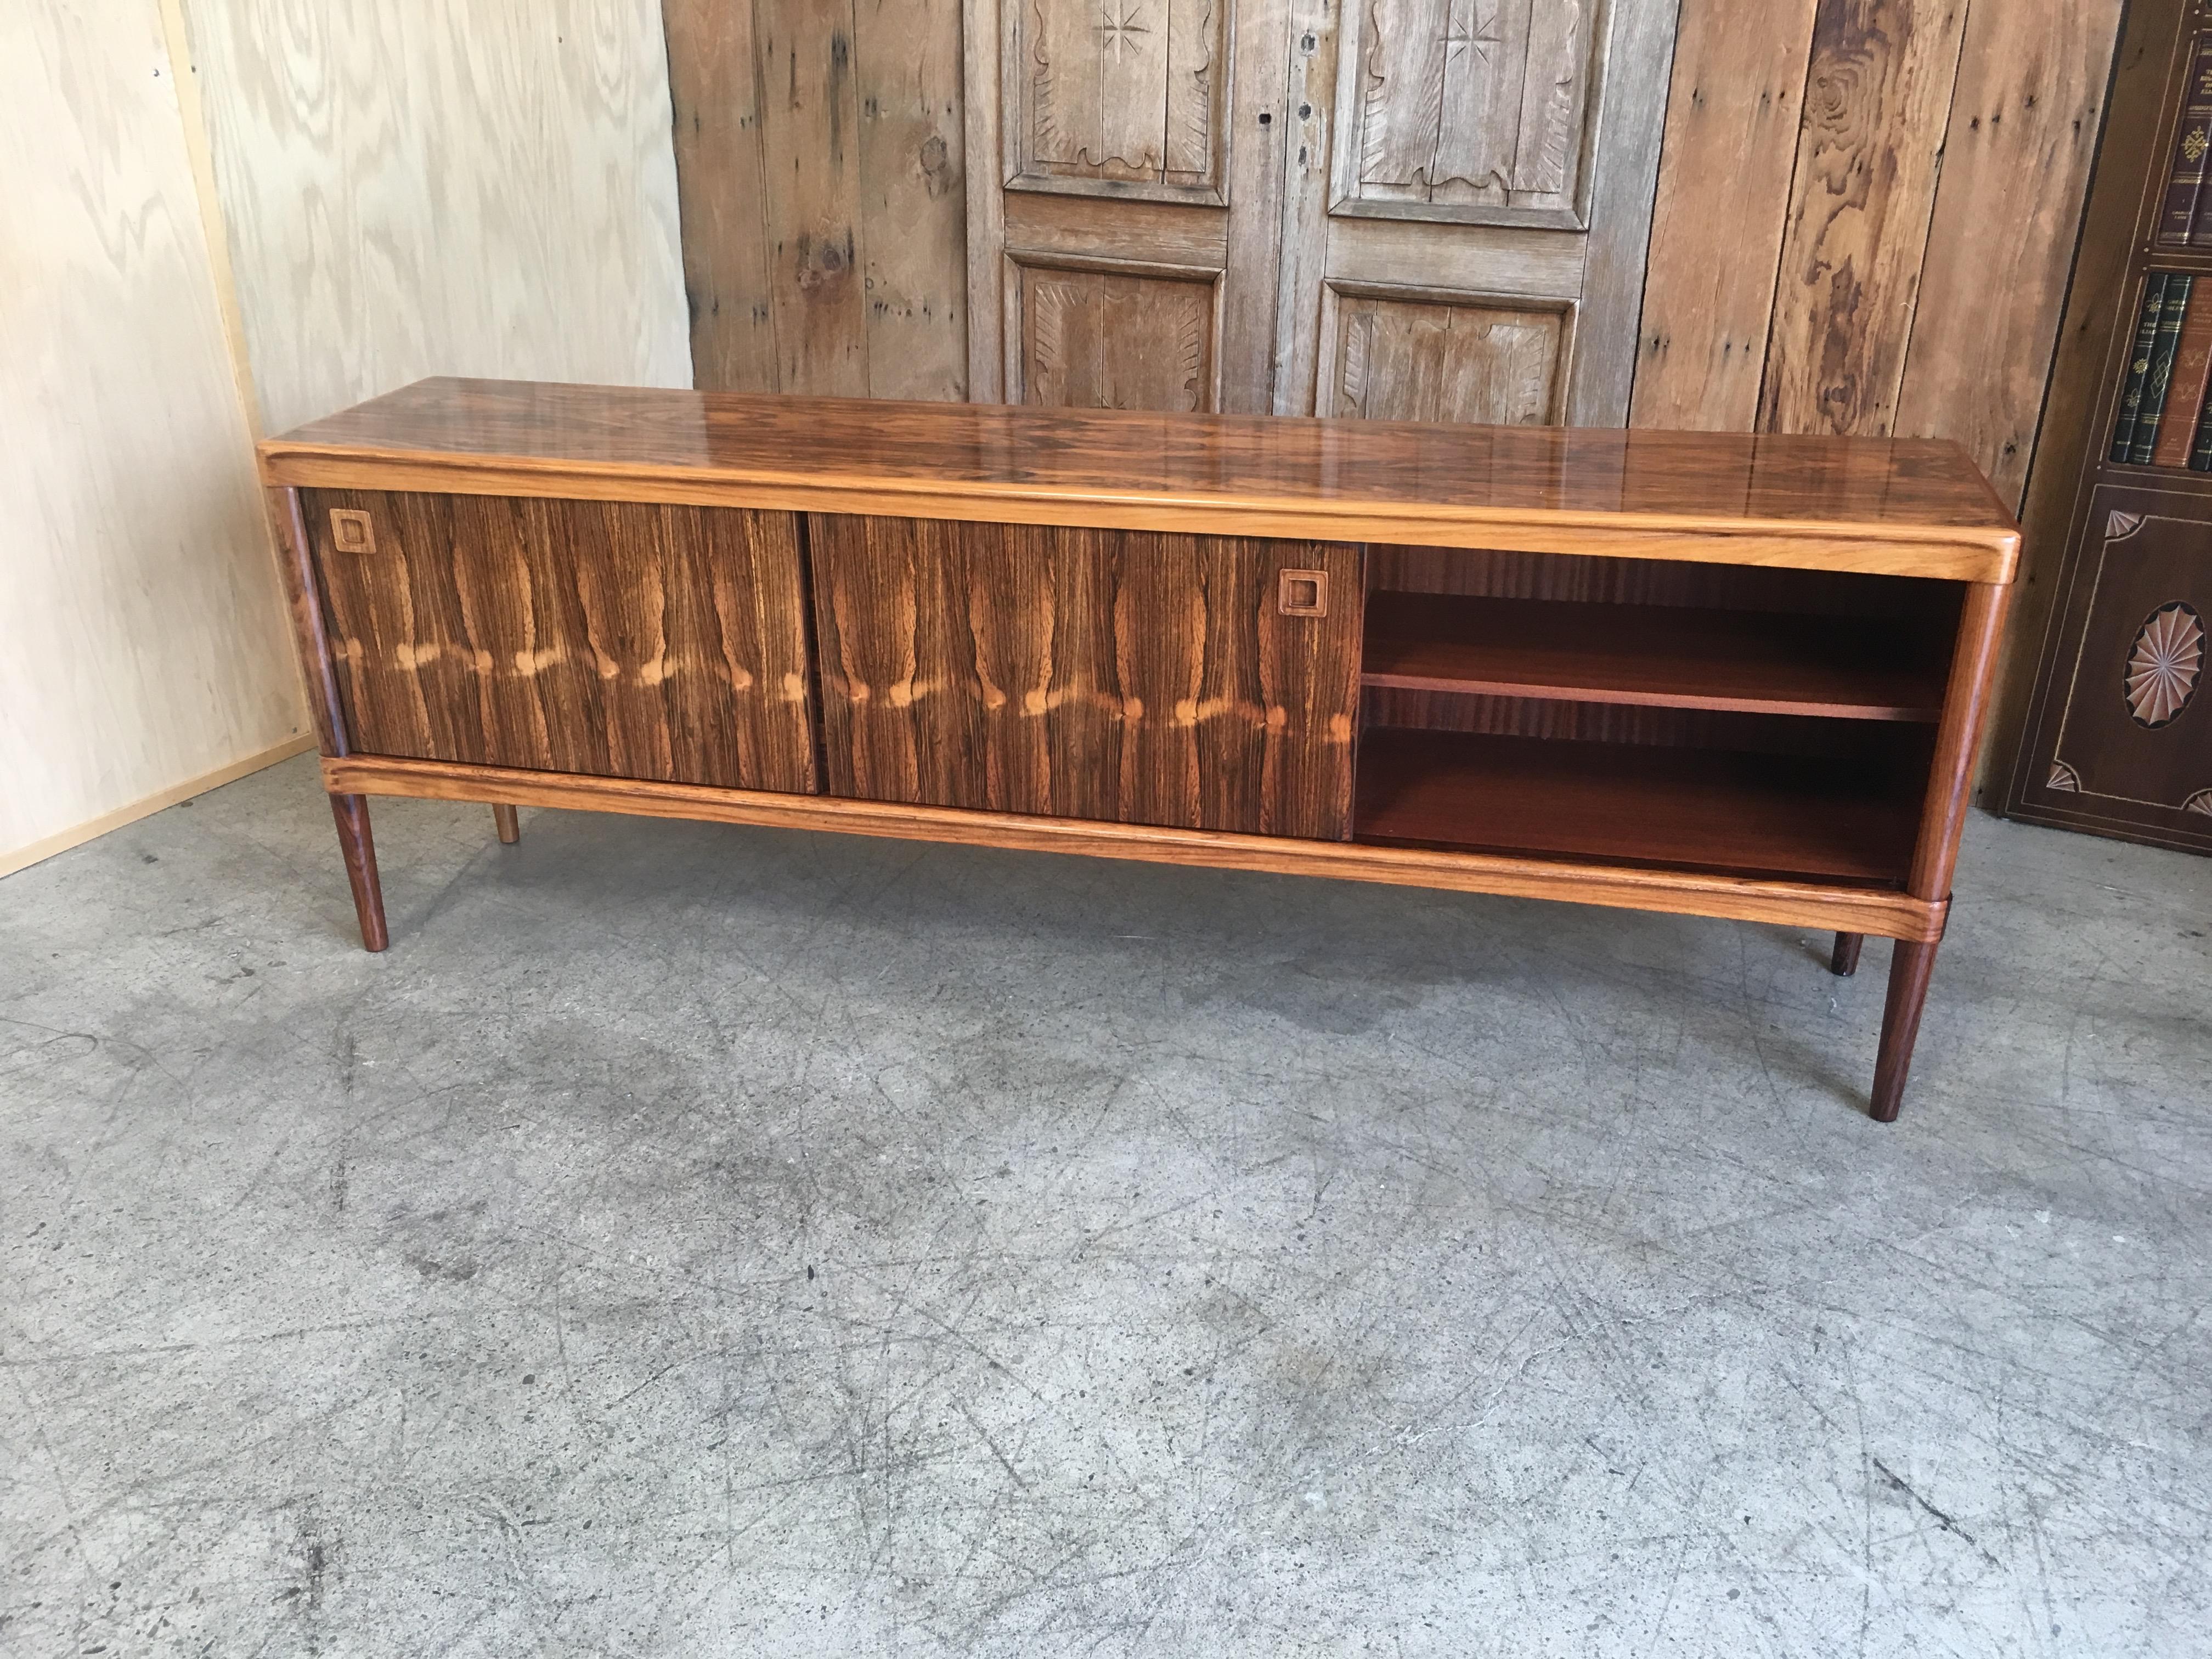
[1124,676]
[619,639]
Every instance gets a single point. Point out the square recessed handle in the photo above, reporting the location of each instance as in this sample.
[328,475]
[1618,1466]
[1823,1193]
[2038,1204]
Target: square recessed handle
[351,531]
[1304,594]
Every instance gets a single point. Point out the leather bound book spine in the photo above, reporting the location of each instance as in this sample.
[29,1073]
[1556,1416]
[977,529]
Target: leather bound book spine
[2138,369]
[2200,453]
[2184,218]
[2158,381]
[2185,396]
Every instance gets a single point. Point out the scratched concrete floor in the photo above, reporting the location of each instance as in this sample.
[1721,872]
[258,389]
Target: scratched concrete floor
[694,1241]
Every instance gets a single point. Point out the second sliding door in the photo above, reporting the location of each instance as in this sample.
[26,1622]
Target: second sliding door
[1187,681]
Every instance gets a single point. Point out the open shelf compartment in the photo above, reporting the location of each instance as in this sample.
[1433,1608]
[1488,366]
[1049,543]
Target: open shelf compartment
[1847,819]
[1665,656]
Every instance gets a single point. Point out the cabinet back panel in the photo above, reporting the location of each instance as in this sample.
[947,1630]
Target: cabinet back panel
[1127,676]
[613,639]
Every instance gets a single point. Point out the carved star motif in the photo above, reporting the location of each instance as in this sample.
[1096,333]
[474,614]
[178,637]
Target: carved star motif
[1461,33]
[1121,28]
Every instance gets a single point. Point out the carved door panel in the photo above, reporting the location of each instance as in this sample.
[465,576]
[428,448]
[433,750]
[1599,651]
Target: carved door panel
[617,639]
[1469,199]
[1122,226]
[1196,682]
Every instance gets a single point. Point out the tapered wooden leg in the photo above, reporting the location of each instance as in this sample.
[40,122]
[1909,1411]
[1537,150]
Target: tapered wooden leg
[510,827]
[354,841]
[1900,1024]
[1845,962]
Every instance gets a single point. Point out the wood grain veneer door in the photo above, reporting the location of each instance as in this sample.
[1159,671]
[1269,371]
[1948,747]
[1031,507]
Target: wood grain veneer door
[1124,676]
[617,639]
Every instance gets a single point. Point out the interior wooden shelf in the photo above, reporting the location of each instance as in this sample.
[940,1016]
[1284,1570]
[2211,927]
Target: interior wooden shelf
[1835,819]
[1668,656]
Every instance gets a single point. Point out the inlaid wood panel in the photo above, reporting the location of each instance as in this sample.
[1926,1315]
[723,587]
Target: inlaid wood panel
[1131,678]
[1468,109]
[1099,338]
[616,639]
[1484,361]
[2121,738]
[1121,95]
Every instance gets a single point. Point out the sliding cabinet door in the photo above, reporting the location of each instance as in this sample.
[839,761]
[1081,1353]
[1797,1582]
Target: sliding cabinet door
[1189,681]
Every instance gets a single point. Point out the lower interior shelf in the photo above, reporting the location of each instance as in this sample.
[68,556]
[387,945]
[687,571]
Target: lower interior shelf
[1847,818]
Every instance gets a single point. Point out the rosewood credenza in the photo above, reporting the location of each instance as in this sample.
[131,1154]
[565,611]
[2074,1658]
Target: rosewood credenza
[1725,675]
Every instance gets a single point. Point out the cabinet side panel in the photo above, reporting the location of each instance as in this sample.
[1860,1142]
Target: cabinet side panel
[617,640]
[1127,676]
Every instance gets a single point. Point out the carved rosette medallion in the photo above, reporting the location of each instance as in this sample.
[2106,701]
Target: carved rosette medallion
[2164,666]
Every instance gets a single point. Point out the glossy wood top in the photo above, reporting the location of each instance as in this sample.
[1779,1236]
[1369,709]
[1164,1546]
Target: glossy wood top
[1911,507]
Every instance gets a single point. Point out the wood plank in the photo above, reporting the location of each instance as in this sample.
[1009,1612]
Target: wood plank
[714,91]
[1906,507]
[1827,907]
[1731,139]
[1308,84]
[1876,104]
[811,149]
[2026,112]
[1631,125]
[1156,231]
[912,185]
[659,642]
[990,161]
[1770,816]
[1090,674]
[1671,656]
[1260,130]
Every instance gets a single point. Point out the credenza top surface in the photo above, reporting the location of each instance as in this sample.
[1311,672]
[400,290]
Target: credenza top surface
[1906,506]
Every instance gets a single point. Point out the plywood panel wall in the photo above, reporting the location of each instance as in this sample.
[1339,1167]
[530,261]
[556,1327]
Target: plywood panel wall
[415,187]
[143,643]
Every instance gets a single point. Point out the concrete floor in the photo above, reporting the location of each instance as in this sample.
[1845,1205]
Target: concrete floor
[693,1240]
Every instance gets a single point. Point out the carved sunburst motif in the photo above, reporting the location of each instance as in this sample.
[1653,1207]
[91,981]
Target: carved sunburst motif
[2199,802]
[2063,776]
[2164,664]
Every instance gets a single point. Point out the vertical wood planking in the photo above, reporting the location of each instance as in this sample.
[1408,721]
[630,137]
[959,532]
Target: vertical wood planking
[986,215]
[811,148]
[714,90]
[1309,94]
[1723,200]
[2023,131]
[1632,123]
[912,160]
[1877,100]
[1260,122]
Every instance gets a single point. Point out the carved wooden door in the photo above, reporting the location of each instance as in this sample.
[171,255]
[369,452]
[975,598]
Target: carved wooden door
[1401,210]
[1467,207]
[1109,204]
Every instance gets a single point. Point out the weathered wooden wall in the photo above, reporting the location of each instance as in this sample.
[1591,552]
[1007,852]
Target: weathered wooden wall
[819,147]
[1867,209]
